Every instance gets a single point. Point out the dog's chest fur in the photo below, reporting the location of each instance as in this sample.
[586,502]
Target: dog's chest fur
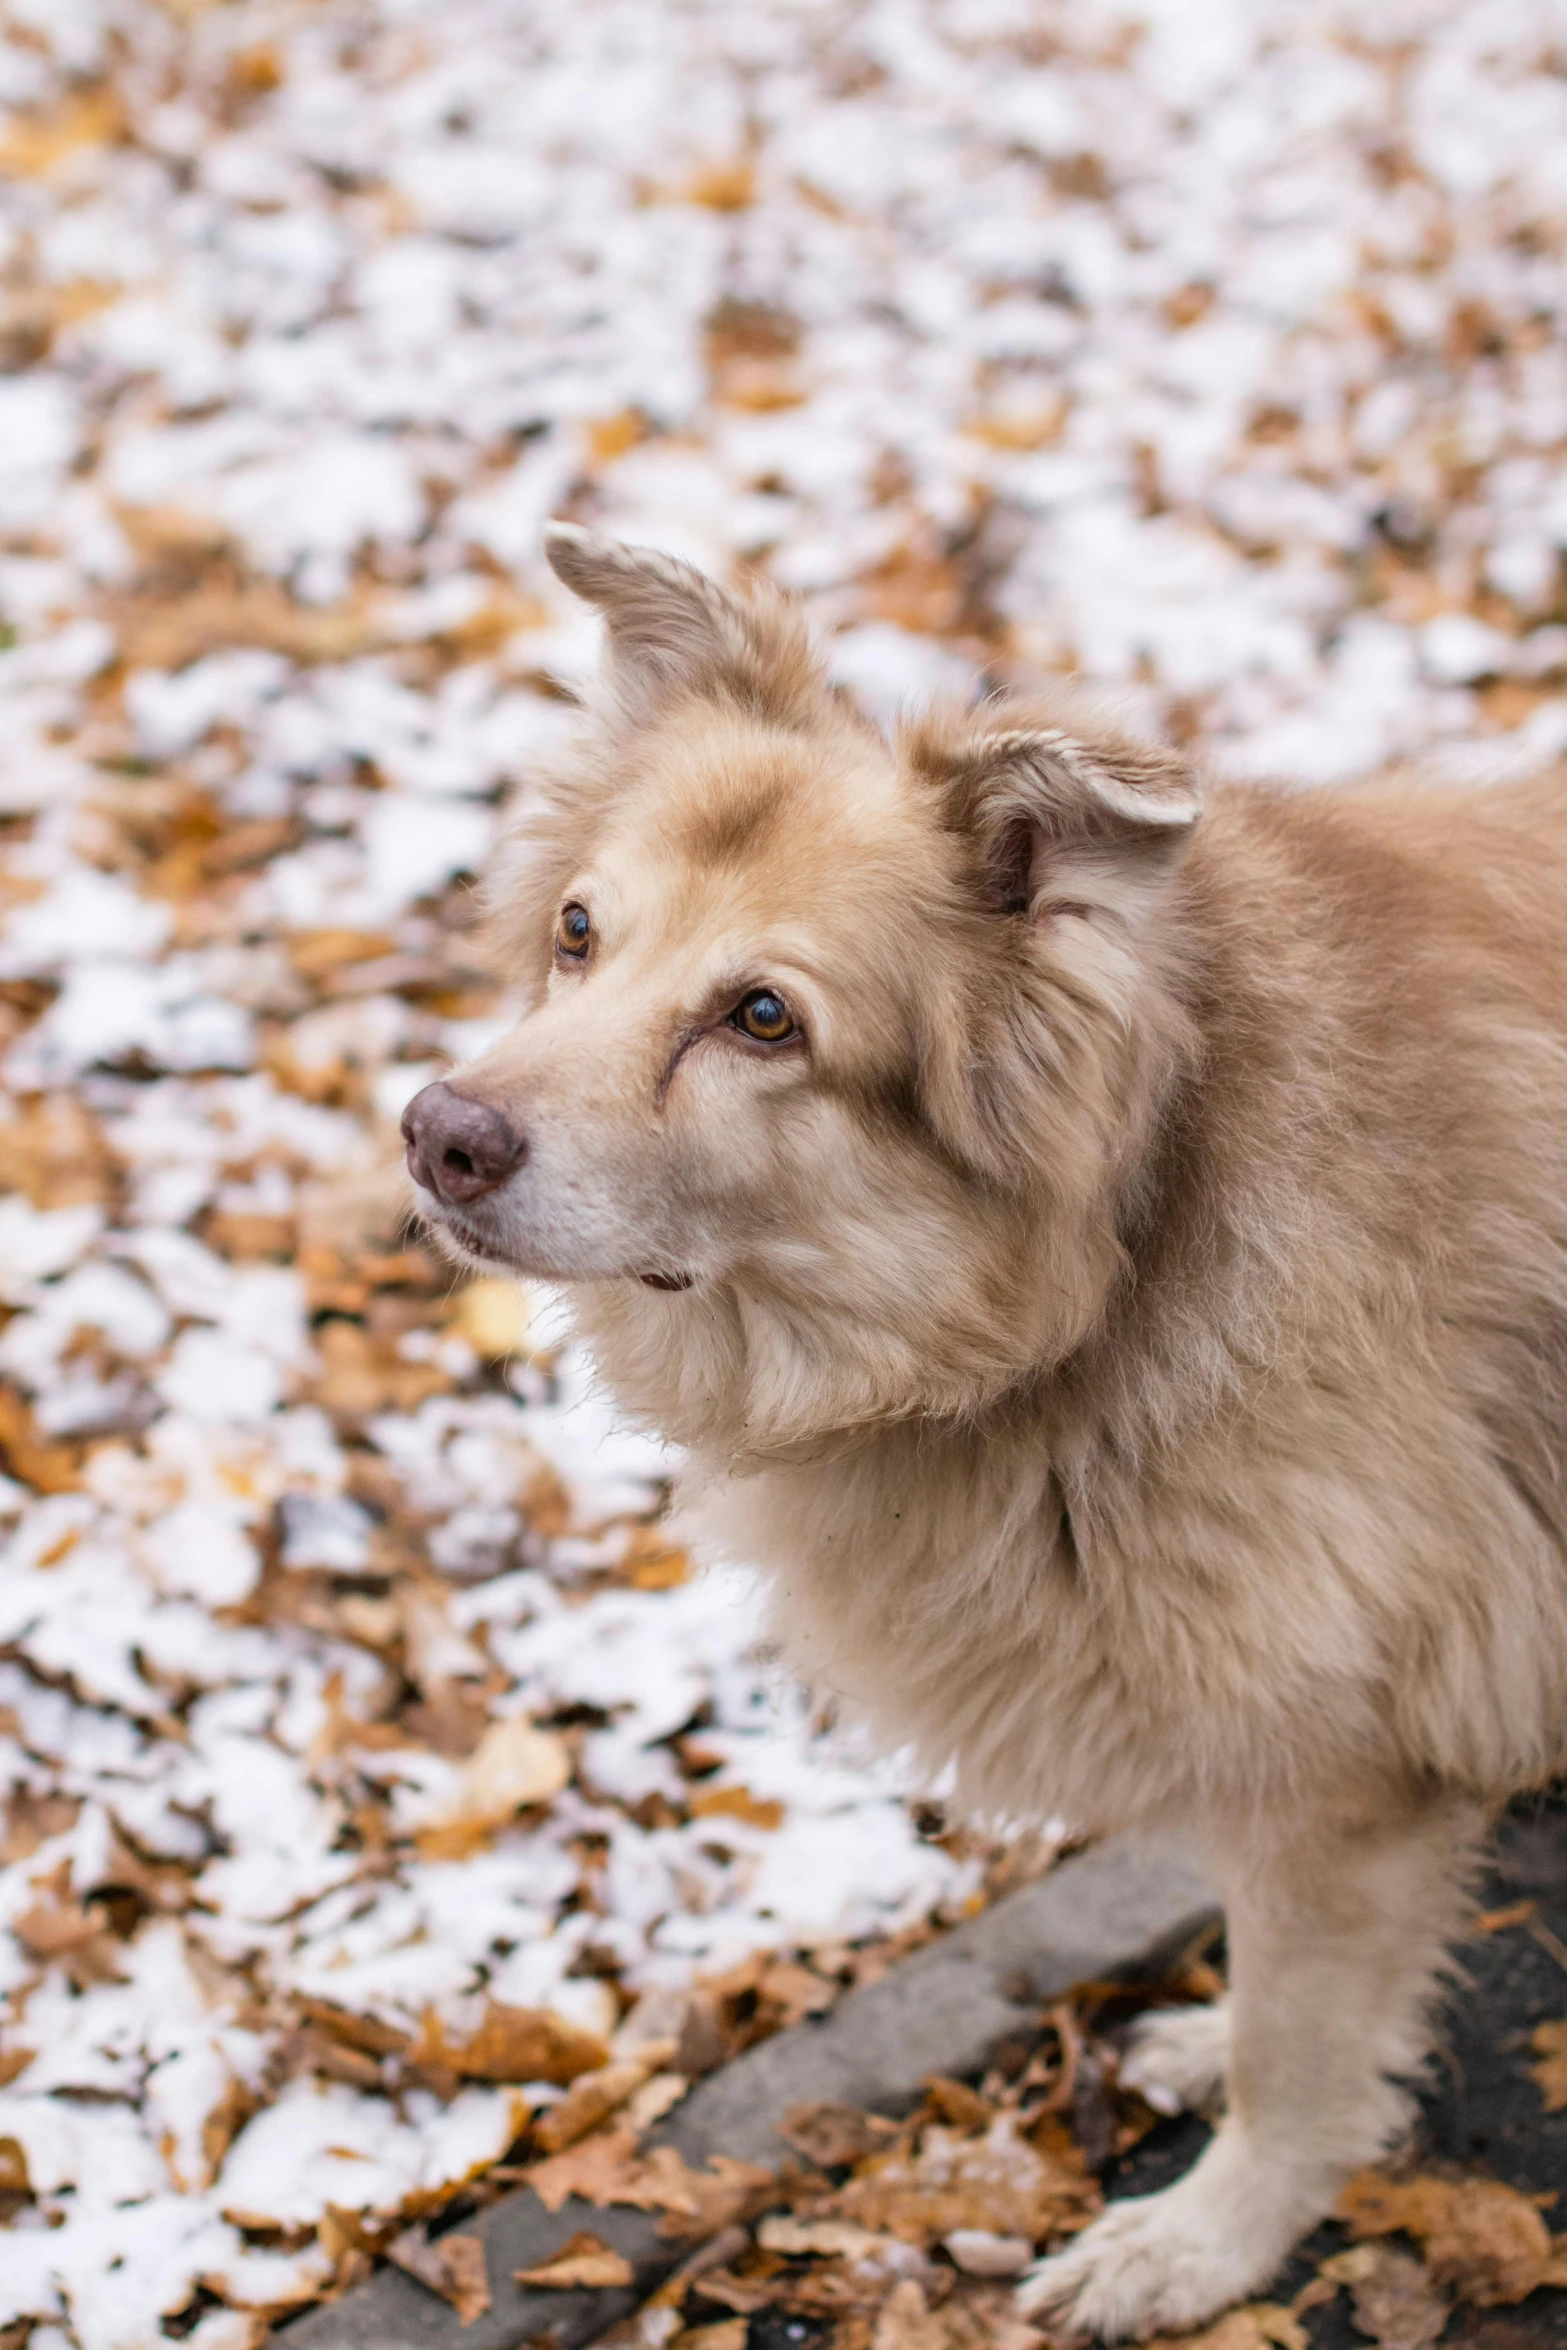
[1283,1604]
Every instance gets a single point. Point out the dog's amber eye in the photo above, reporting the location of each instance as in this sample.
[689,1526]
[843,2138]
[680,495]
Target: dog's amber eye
[573,932]
[765,1016]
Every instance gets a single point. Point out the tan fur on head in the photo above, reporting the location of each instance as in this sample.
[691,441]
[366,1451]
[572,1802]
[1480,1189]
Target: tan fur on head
[974,913]
[1129,1321]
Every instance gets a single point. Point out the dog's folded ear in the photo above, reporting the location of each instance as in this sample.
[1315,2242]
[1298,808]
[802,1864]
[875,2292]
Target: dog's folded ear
[674,633]
[1062,822]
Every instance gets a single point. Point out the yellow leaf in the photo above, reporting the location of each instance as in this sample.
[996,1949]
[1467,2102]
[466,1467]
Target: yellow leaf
[1550,2046]
[493,1314]
[34,144]
[611,436]
[722,187]
[584,2259]
[737,1803]
[1019,429]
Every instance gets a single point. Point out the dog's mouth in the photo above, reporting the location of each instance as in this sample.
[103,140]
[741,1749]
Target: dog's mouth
[461,1240]
[464,1240]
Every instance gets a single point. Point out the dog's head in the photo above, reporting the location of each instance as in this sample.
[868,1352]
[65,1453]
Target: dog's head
[840,1052]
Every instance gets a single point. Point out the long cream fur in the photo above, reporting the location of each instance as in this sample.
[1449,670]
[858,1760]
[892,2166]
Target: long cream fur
[1130,1327]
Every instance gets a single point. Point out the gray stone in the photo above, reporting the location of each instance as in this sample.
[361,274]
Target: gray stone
[1120,1909]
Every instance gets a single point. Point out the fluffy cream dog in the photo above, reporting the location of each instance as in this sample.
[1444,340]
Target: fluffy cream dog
[1103,1245]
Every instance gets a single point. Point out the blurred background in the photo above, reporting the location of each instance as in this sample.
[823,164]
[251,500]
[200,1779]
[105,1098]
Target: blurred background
[371,1756]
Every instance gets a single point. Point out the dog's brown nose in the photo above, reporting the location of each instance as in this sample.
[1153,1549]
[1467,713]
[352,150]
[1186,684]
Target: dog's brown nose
[459,1148]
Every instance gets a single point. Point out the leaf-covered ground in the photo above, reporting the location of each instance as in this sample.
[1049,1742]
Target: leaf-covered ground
[904,2236]
[373,1765]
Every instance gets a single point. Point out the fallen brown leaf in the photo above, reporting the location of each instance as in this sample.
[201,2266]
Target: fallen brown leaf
[747,2294]
[832,2135]
[601,2169]
[1484,2240]
[452,2266]
[513,1764]
[1498,1921]
[1394,2299]
[907,2321]
[584,2259]
[77,1936]
[1254,2327]
[795,1991]
[658,2095]
[607,2169]
[1550,2046]
[511,2044]
[822,2239]
[53,1150]
[998,2182]
[592,2097]
[47,1467]
[361,1376]
[728,2334]
[701,2202]
[738,1803]
[957,2103]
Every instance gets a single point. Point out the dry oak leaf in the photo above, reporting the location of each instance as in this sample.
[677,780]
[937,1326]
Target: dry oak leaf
[592,2098]
[1254,2327]
[511,2044]
[700,2202]
[1550,2046]
[907,2322]
[1484,2240]
[603,2169]
[998,2182]
[1394,2299]
[452,2266]
[607,2169]
[584,2259]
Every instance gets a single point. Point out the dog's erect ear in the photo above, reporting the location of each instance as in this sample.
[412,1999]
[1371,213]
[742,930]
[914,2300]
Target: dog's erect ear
[1062,823]
[673,632]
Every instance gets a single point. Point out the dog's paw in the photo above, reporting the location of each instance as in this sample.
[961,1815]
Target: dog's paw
[1154,2264]
[1178,2059]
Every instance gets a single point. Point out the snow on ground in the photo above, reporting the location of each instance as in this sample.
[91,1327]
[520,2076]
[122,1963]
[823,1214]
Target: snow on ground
[368,1750]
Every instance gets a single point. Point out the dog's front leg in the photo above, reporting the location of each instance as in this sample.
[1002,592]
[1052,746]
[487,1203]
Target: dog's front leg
[1336,1941]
